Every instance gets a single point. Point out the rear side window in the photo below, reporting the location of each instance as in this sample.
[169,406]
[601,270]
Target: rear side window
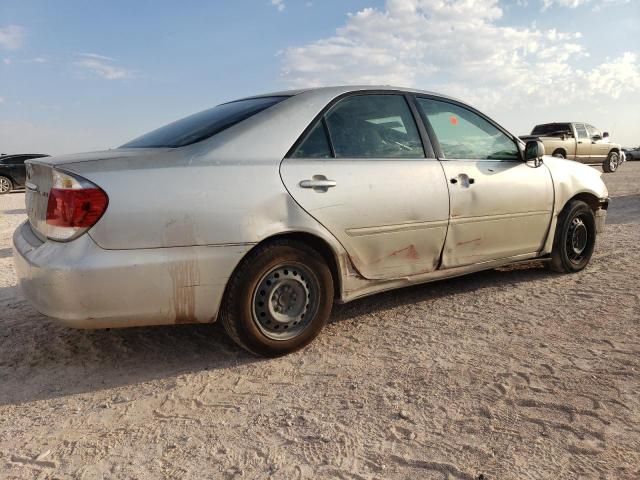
[465,135]
[203,125]
[316,145]
[552,130]
[374,126]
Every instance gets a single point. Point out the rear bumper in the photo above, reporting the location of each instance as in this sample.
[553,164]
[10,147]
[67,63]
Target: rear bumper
[85,286]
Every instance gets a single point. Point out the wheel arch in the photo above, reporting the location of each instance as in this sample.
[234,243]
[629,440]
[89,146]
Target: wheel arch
[590,199]
[9,176]
[330,255]
[561,151]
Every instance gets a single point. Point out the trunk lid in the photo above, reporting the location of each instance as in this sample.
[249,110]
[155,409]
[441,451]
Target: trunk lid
[116,153]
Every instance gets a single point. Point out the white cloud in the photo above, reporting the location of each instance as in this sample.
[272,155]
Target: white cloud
[563,3]
[459,47]
[463,48]
[12,37]
[615,77]
[36,60]
[6,61]
[546,4]
[102,67]
[279,4]
[1,100]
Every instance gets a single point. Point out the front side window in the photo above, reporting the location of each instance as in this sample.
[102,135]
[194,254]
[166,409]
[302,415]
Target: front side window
[593,131]
[581,130]
[16,160]
[203,125]
[465,135]
[374,126]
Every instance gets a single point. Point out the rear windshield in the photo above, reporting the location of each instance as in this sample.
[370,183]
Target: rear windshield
[552,129]
[200,126]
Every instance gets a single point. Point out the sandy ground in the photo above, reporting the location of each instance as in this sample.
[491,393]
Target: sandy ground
[509,374]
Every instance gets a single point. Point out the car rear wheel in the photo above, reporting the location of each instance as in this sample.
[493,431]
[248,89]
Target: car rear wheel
[575,238]
[279,298]
[610,165]
[558,154]
[5,185]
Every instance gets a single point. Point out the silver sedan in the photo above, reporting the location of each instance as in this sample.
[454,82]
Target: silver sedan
[262,212]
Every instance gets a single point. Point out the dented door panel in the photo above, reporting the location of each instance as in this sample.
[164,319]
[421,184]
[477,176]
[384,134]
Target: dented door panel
[506,211]
[389,214]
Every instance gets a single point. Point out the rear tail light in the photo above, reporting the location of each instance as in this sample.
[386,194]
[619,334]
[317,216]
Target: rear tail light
[75,205]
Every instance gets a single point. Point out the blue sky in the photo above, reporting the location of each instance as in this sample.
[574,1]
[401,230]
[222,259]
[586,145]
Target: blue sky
[77,75]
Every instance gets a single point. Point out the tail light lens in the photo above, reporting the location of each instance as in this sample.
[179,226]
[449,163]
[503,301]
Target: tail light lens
[75,205]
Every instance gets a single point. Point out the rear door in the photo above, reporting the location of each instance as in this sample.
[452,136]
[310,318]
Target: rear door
[362,172]
[501,206]
[583,143]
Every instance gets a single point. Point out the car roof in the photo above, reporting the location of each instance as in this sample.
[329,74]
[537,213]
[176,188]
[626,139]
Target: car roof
[342,89]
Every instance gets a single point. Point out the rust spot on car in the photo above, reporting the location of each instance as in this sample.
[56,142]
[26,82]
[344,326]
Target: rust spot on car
[185,276]
[409,252]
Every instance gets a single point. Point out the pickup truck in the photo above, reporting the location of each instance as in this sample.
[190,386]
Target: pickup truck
[578,141]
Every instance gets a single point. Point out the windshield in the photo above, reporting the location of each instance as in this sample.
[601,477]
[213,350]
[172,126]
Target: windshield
[203,125]
[552,129]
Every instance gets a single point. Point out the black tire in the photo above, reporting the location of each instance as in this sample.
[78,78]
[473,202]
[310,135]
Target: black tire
[5,185]
[612,162]
[262,310]
[559,154]
[575,238]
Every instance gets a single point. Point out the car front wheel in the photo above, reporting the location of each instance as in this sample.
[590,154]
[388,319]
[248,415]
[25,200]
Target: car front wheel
[575,238]
[5,185]
[279,298]
[610,165]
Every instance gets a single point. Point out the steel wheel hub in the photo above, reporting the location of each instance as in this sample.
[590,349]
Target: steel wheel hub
[578,238]
[285,301]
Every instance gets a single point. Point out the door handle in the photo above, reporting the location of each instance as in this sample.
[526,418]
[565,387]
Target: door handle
[465,180]
[319,183]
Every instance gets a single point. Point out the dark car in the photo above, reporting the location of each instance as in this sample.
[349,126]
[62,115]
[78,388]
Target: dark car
[632,153]
[13,172]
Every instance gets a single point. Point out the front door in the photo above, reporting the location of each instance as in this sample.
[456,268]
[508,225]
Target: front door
[583,143]
[500,206]
[361,171]
[599,147]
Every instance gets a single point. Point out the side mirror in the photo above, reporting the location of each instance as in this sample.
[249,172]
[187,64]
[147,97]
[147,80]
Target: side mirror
[534,150]
[605,135]
[595,138]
